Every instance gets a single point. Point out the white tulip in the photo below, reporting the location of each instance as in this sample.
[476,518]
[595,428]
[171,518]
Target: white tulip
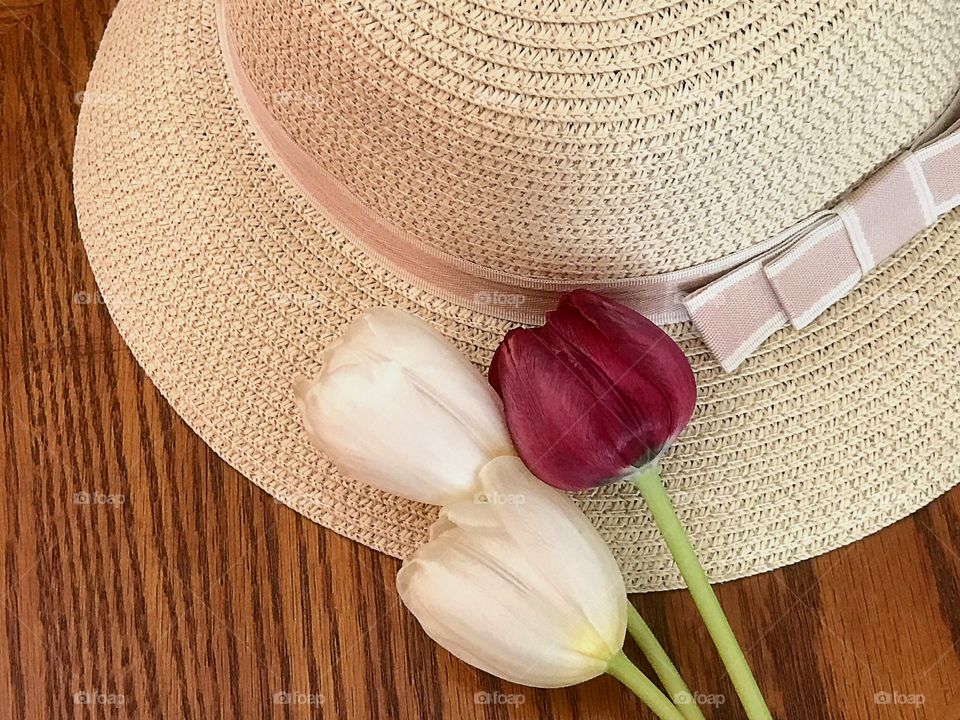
[519,584]
[398,407]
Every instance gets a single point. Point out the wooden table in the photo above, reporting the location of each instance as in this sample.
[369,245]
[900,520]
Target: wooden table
[143,578]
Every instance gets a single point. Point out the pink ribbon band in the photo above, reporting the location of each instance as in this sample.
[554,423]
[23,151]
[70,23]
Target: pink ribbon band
[735,302]
[828,255]
[511,297]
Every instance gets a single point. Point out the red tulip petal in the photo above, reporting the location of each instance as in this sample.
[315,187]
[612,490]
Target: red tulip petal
[597,389]
[564,435]
[651,404]
[638,337]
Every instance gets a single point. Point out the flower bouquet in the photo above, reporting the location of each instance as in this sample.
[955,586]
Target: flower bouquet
[513,578]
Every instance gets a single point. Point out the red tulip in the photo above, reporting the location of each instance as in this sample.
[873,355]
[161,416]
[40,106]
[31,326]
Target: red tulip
[595,394]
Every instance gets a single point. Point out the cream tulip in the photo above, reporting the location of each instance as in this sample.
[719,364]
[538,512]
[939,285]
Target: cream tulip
[519,584]
[398,407]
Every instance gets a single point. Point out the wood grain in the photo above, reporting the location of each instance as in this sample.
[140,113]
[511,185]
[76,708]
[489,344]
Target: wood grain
[14,12]
[143,578]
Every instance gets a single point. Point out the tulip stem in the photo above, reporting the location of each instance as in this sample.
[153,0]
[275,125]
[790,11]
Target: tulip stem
[662,665]
[651,486]
[629,674]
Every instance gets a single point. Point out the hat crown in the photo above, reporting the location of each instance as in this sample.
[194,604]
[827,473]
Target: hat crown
[597,140]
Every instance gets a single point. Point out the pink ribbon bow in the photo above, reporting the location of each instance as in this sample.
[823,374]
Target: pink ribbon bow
[818,261]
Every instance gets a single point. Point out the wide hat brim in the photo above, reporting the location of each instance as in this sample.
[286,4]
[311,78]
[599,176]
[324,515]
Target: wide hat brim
[227,283]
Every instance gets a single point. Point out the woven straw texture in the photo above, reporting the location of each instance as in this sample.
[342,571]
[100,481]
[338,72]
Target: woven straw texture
[227,283]
[597,143]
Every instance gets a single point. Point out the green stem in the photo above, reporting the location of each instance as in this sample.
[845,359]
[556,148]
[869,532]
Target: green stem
[626,672]
[663,666]
[651,486]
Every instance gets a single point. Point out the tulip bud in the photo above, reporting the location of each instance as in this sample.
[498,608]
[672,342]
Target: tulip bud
[595,394]
[519,583]
[398,407]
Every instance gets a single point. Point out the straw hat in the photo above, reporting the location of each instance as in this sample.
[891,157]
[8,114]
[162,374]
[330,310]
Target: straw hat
[251,175]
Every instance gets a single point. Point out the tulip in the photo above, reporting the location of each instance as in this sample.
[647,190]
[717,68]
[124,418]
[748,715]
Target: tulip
[593,395]
[398,407]
[519,584]
[596,395]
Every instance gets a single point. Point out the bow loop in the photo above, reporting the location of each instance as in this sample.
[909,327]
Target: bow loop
[814,272]
[814,264]
[886,210]
[939,161]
